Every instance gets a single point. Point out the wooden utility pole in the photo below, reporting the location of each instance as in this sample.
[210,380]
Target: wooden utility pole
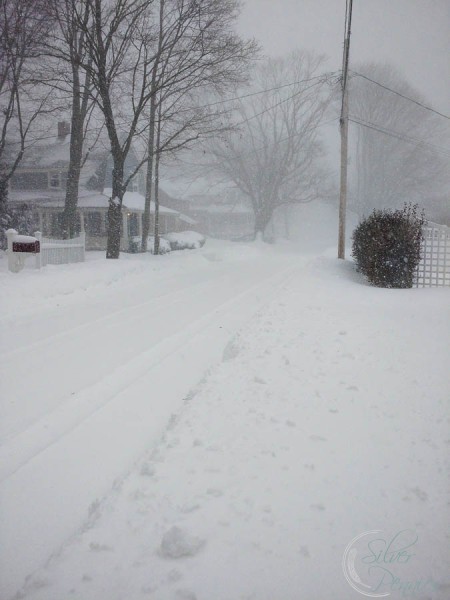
[343,122]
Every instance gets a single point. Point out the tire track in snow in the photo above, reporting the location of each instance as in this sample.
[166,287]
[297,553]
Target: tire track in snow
[30,442]
[107,344]
[49,495]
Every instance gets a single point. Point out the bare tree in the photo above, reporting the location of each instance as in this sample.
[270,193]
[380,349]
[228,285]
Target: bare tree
[197,49]
[275,155]
[23,27]
[67,47]
[118,35]
[399,150]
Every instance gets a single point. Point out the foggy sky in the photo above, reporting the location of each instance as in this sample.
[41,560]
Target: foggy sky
[413,35]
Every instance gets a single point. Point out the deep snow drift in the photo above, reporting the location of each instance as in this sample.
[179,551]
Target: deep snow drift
[324,414]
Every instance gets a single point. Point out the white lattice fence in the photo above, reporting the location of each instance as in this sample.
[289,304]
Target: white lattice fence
[434,267]
[61,252]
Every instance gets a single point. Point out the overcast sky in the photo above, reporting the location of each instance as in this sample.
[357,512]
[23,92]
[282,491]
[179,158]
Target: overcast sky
[414,35]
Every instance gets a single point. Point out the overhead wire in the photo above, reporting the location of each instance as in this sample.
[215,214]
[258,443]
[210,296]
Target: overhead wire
[327,75]
[401,136]
[400,94]
[265,146]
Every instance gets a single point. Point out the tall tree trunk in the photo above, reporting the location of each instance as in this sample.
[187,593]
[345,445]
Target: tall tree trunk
[73,175]
[151,136]
[157,159]
[5,217]
[115,211]
[156,246]
[262,218]
[80,109]
[149,179]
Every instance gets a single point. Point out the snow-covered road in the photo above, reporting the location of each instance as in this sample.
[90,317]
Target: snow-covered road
[267,408]
[91,381]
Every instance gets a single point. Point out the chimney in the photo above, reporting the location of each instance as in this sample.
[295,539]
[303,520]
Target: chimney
[63,129]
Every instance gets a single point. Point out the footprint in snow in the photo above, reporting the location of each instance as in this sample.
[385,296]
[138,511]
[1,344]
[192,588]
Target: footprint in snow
[95,547]
[188,508]
[231,351]
[214,492]
[174,575]
[420,494]
[185,595]
[147,470]
[317,438]
[304,551]
[319,507]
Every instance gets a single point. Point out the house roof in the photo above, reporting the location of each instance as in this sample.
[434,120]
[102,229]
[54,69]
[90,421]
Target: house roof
[54,154]
[52,199]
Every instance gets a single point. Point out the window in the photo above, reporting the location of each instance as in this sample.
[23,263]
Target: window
[54,181]
[133,226]
[93,224]
[56,225]
[133,186]
[29,180]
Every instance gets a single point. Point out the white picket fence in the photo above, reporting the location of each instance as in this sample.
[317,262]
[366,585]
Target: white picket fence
[434,267]
[60,252]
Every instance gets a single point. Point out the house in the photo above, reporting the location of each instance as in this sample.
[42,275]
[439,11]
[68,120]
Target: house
[222,218]
[38,188]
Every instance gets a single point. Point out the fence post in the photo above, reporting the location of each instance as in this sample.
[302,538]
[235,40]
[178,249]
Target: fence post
[83,242]
[10,233]
[38,236]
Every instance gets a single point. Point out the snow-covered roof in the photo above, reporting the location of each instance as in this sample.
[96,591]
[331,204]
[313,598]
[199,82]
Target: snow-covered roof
[223,208]
[53,199]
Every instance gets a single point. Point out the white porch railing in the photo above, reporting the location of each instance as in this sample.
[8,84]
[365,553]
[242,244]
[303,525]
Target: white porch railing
[60,252]
[434,267]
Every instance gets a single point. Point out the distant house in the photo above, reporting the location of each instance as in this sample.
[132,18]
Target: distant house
[39,184]
[224,219]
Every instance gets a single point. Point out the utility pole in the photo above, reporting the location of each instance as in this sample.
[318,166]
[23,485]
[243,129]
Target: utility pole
[343,125]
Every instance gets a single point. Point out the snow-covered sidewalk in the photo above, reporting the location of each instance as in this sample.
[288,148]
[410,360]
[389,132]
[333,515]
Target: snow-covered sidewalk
[326,418]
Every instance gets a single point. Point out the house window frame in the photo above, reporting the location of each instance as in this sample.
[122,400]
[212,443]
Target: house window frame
[52,174]
[133,185]
[100,230]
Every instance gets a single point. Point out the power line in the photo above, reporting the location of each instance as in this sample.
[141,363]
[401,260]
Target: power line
[279,103]
[273,89]
[256,150]
[399,94]
[326,76]
[401,136]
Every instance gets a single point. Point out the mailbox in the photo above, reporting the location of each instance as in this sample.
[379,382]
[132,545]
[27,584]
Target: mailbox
[33,247]
[20,247]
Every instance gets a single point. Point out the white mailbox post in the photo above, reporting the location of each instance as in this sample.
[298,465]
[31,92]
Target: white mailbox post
[21,247]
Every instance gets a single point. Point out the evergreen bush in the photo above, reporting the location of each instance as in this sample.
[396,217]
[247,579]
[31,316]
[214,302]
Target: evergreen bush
[386,246]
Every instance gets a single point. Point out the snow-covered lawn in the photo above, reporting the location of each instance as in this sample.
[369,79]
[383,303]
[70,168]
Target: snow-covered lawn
[219,425]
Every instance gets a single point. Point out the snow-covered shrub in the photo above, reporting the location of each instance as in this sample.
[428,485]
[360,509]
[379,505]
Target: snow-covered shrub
[164,245]
[134,244]
[184,240]
[386,246]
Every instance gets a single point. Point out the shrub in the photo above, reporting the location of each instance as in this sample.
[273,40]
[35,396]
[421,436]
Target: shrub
[185,240]
[164,246]
[386,246]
